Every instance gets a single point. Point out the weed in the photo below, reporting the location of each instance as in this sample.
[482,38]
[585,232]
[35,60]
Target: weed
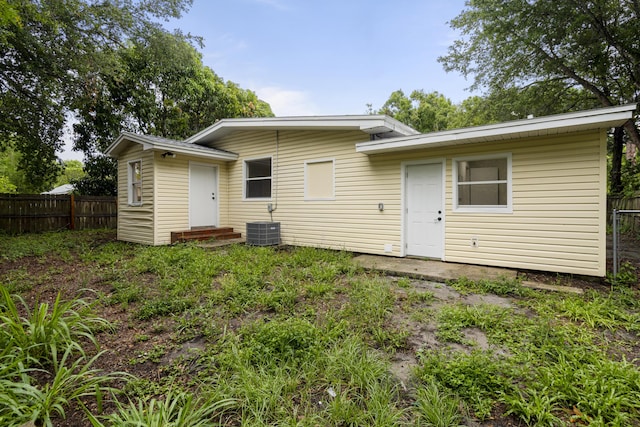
[154,355]
[437,408]
[177,409]
[502,286]
[163,307]
[627,276]
[48,331]
[478,377]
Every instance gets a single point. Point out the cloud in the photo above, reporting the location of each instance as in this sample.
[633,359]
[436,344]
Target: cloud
[287,102]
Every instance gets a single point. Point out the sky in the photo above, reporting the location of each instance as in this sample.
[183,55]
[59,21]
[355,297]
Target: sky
[312,57]
[326,57]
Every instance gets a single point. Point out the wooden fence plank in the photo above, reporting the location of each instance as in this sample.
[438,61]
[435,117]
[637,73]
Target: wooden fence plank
[628,223]
[30,213]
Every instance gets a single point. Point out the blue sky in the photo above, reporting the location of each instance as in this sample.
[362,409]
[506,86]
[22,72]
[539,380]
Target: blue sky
[311,57]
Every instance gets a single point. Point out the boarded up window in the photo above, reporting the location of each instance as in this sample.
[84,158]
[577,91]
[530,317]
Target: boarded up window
[258,178]
[319,180]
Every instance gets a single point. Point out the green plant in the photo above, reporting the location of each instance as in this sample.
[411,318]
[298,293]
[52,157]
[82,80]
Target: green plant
[289,339]
[437,408]
[177,409]
[503,286]
[627,276]
[479,377]
[48,331]
[163,307]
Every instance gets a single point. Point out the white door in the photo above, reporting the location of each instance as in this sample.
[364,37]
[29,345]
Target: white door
[424,210]
[203,197]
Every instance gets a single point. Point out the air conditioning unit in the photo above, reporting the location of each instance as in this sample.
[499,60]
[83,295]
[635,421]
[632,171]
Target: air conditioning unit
[263,233]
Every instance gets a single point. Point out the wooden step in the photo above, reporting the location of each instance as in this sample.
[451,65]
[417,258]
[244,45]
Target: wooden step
[201,233]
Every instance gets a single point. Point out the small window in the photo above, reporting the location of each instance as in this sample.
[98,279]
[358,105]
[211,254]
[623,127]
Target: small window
[135,182]
[483,184]
[319,179]
[257,178]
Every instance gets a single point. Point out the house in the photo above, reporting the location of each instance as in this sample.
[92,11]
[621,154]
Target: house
[528,194]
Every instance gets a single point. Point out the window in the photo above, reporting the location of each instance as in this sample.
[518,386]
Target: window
[135,182]
[319,179]
[257,178]
[483,184]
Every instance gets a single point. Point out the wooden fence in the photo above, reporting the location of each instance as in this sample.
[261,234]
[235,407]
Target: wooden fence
[627,223]
[30,213]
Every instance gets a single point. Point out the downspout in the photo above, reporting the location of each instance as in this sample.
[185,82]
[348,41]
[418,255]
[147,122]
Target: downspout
[272,207]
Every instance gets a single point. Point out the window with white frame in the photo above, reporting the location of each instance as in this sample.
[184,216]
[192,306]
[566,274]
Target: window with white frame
[319,179]
[135,182]
[483,184]
[257,176]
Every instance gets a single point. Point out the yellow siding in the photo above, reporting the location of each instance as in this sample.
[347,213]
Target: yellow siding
[172,194]
[135,223]
[351,221]
[559,208]
[557,224]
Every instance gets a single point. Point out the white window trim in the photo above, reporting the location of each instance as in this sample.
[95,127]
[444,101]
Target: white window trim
[244,180]
[483,208]
[130,183]
[333,189]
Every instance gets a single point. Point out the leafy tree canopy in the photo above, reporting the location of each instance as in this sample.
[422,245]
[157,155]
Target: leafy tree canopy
[590,45]
[112,67]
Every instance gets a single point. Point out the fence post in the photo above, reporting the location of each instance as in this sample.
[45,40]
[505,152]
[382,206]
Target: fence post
[615,244]
[72,212]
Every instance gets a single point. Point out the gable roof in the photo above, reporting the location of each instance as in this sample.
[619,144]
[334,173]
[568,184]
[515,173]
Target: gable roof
[170,145]
[380,126]
[601,118]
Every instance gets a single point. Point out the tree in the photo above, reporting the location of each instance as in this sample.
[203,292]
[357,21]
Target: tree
[160,87]
[49,51]
[590,45]
[72,170]
[425,112]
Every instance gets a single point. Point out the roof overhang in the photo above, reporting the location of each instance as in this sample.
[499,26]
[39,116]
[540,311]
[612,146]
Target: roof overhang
[542,126]
[379,125]
[161,144]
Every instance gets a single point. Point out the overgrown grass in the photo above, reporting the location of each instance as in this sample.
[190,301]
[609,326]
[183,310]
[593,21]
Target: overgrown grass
[302,337]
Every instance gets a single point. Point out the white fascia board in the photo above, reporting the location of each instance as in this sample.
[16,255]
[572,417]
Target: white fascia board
[198,152]
[147,144]
[365,123]
[548,125]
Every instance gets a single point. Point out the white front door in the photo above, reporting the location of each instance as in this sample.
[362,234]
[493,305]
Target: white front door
[424,210]
[203,197]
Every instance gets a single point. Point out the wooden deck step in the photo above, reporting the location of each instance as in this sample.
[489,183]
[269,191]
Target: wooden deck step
[201,233]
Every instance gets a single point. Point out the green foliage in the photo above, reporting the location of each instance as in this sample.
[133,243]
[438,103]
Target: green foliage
[479,378]
[437,408]
[452,319]
[177,409]
[425,112]
[163,307]
[42,335]
[502,286]
[72,170]
[43,365]
[627,276]
[283,340]
[6,186]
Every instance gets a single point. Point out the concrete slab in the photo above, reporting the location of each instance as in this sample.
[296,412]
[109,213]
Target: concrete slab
[430,269]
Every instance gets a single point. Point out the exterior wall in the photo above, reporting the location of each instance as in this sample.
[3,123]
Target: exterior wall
[135,223]
[559,210]
[350,221]
[172,194]
[559,206]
